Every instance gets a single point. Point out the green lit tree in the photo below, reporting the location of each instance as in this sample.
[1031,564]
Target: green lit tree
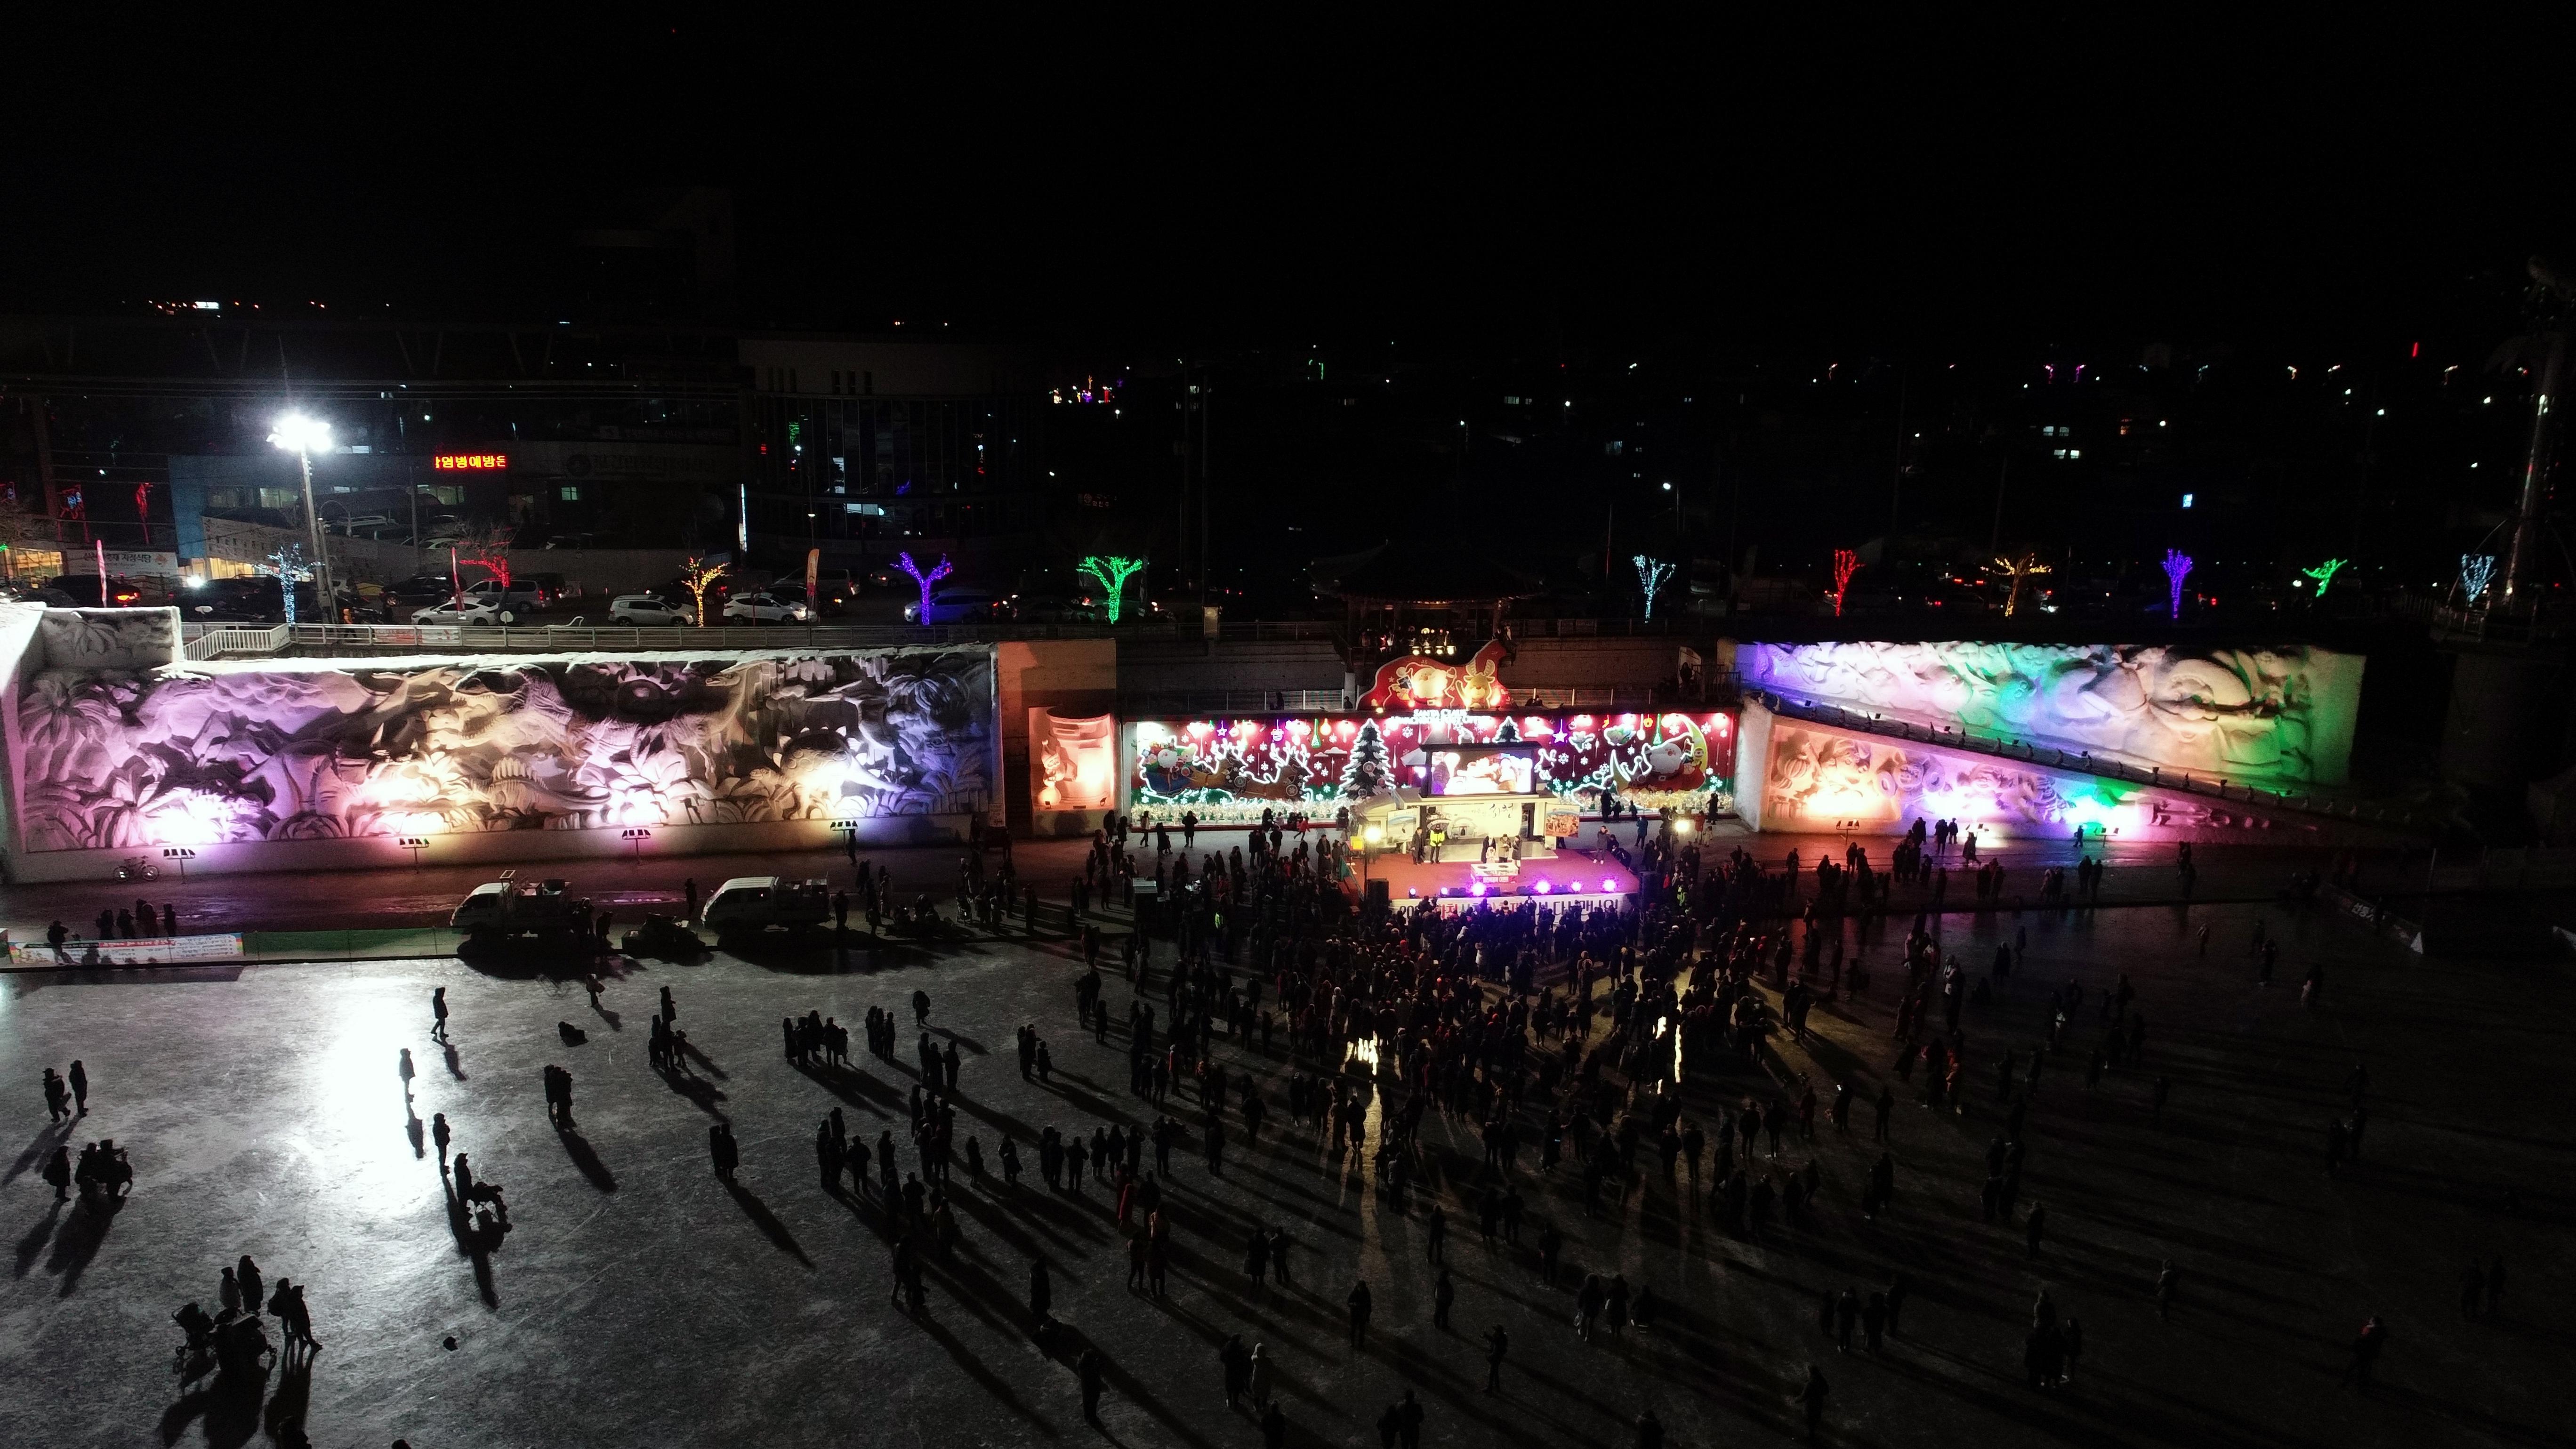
[1112,572]
[2324,574]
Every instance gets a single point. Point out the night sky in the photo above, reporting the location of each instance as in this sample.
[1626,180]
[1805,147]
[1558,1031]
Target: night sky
[1545,191]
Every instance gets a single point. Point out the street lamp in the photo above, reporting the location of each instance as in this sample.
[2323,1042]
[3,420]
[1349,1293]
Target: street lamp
[304,436]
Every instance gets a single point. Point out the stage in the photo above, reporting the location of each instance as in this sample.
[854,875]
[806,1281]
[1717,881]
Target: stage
[1590,878]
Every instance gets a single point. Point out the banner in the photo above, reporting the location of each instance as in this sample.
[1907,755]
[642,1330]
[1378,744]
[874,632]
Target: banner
[147,951]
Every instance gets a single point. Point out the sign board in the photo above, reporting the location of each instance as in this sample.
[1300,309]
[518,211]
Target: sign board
[151,950]
[1561,821]
[136,563]
[470,462]
[1400,825]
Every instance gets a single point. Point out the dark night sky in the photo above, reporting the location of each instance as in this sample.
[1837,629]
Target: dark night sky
[2009,187]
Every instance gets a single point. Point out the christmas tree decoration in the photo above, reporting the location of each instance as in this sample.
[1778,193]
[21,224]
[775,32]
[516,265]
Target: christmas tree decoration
[2177,568]
[1846,564]
[1366,774]
[1651,574]
[2324,574]
[1112,573]
[925,580]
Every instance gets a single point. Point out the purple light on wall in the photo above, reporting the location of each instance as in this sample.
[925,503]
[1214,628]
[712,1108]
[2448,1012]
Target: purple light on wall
[926,580]
[2177,568]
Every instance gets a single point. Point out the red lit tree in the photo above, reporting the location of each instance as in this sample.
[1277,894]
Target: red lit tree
[488,551]
[1846,564]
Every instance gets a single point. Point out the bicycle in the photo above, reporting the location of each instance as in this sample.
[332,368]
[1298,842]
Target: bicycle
[137,868]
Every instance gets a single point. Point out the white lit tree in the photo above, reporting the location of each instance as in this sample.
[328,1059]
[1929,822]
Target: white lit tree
[1366,773]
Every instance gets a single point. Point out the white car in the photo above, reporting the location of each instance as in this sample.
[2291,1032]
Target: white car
[767,609]
[474,611]
[649,609]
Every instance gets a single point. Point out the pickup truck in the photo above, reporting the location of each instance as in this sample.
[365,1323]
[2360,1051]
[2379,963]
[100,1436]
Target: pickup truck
[498,910]
[749,904]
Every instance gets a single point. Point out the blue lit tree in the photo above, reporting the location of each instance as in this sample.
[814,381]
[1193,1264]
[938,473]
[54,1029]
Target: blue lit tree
[1651,574]
[288,567]
[2476,571]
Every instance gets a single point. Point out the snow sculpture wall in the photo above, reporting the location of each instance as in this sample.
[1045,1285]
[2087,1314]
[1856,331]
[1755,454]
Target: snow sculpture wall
[110,757]
[2274,716]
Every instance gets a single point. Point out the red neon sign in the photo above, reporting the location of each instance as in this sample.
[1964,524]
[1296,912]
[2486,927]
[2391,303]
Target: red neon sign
[469,462]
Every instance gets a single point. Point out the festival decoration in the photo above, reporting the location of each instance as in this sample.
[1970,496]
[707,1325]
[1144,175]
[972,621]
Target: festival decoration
[288,567]
[2476,570]
[1073,762]
[1846,564]
[124,759]
[1651,573]
[1418,681]
[2324,574]
[143,509]
[1231,770]
[2280,715]
[2177,568]
[1111,572]
[925,580]
[2016,569]
[697,576]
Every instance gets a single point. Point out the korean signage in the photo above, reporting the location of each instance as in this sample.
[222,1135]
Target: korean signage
[470,462]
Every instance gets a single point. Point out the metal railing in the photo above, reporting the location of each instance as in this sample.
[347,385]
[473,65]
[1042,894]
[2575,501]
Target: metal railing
[2310,801]
[217,641]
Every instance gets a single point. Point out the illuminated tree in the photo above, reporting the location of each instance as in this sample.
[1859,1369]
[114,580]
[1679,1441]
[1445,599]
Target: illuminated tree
[489,551]
[143,509]
[2324,574]
[697,576]
[288,567]
[1366,774]
[2177,568]
[2016,569]
[2476,570]
[925,580]
[1846,564]
[1111,572]
[1651,573]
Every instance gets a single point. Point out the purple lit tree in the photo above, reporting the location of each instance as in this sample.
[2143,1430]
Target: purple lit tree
[2177,568]
[925,580]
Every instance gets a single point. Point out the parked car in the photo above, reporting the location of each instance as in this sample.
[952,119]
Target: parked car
[766,609]
[365,524]
[121,592]
[650,609]
[520,598]
[421,588]
[471,611]
[960,606]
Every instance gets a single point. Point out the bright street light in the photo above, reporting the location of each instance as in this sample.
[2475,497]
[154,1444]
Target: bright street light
[304,435]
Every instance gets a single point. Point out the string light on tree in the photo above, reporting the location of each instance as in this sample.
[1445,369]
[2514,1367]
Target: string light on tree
[2177,568]
[2016,570]
[288,567]
[2476,571]
[2324,574]
[1111,572]
[697,576]
[925,580]
[1846,564]
[1651,573]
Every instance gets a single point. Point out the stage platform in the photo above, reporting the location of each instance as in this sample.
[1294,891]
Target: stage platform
[1589,878]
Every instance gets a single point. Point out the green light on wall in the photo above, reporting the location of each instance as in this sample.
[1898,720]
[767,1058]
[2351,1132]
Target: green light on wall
[2324,573]
[1112,572]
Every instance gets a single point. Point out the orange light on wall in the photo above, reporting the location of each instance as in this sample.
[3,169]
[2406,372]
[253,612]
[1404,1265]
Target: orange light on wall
[469,462]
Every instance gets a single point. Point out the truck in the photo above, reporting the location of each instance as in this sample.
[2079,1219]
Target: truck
[499,910]
[749,904]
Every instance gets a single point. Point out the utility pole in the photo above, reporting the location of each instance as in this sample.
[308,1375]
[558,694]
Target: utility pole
[1896,483]
[1994,540]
